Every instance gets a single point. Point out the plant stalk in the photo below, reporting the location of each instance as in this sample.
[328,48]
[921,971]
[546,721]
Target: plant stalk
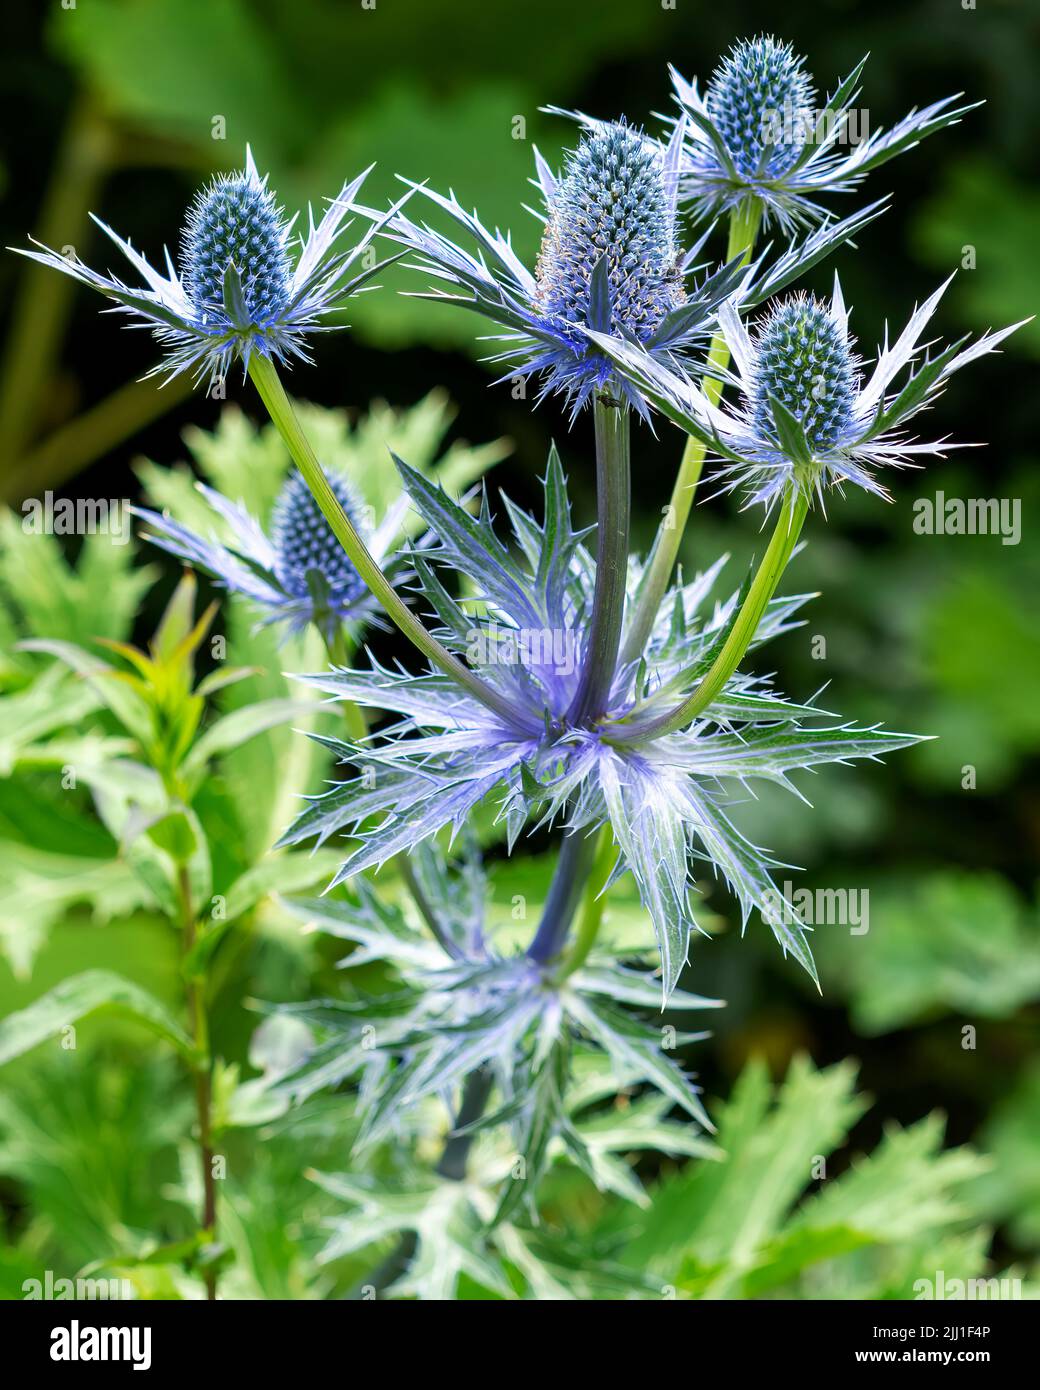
[339,654]
[203,1079]
[743,228]
[577,857]
[613,508]
[592,907]
[763,586]
[265,378]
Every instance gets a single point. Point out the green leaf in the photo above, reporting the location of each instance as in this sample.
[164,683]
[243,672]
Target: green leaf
[39,887]
[125,703]
[92,992]
[230,731]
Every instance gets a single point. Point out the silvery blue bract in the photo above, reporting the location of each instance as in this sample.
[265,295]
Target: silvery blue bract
[807,411]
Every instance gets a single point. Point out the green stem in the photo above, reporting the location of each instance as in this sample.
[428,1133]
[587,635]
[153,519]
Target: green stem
[340,654]
[267,382]
[743,228]
[475,1096]
[613,506]
[741,634]
[595,901]
[42,300]
[202,1074]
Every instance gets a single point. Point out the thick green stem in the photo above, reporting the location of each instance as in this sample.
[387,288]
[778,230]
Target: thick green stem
[741,634]
[743,227]
[613,508]
[267,382]
[353,715]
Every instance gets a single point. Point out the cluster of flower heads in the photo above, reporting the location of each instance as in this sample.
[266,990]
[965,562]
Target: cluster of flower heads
[755,133]
[613,311]
[609,263]
[245,284]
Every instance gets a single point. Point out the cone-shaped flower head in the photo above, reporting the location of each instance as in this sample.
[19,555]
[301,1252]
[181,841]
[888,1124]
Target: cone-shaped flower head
[807,413]
[307,553]
[609,262]
[758,132]
[611,210]
[236,222]
[760,98]
[245,284]
[802,360]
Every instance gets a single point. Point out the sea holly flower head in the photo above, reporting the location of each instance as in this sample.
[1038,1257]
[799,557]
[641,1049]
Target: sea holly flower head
[803,361]
[754,134]
[245,283]
[759,78]
[610,234]
[296,572]
[808,412]
[665,797]
[609,260]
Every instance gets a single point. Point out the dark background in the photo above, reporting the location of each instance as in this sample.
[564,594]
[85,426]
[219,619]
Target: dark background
[109,106]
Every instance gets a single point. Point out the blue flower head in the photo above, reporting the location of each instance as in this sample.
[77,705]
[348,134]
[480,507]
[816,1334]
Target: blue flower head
[803,360]
[297,573]
[245,283]
[307,553]
[236,222]
[807,414]
[760,98]
[609,262]
[755,133]
[611,215]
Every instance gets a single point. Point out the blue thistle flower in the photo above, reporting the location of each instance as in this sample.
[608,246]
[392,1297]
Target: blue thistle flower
[245,284]
[305,545]
[759,98]
[807,413]
[754,133]
[612,209]
[665,797]
[609,261]
[236,221]
[297,573]
[802,360]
